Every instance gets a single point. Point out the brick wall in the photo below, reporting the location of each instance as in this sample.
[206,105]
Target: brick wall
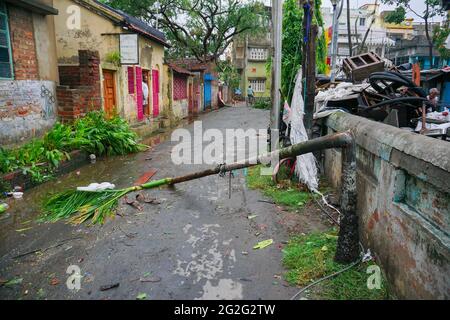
[69,75]
[80,90]
[23,45]
[27,109]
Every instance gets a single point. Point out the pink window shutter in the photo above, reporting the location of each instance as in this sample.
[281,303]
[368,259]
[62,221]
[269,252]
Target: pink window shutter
[139,94]
[130,80]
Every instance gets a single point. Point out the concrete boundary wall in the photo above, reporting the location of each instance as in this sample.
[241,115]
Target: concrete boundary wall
[403,187]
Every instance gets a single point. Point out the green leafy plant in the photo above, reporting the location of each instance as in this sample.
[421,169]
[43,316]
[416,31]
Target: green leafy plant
[228,74]
[94,134]
[311,257]
[262,103]
[292,36]
[284,194]
[114,58]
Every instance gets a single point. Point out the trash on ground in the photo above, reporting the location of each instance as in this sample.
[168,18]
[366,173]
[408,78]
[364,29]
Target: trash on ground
[145,177]
[252,217]
[141,198]
[376,89]
[263,244]
[95,187]
[133,203]
[109,286]
[17,195]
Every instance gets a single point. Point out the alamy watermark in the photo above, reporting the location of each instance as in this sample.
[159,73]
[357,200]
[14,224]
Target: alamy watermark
[214,146]
[74,280]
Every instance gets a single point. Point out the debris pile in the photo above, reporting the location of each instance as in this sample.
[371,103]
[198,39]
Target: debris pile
[393,95]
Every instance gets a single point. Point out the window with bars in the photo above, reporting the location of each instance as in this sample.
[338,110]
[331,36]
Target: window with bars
[258,85]
[6,64]
[258,54]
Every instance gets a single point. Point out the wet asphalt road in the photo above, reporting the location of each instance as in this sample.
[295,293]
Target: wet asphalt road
[196,244]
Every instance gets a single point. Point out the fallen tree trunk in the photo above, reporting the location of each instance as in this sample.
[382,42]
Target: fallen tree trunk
[81,206]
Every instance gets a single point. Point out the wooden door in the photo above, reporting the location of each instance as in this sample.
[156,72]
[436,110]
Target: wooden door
[155,92]
[109,93]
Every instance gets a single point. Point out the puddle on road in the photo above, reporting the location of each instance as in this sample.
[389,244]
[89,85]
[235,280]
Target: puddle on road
[226,289]
[119,170]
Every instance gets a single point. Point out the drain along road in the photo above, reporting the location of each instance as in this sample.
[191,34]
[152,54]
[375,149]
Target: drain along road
[195,244]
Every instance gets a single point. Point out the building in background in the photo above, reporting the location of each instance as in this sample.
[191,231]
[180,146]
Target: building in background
[28,69]
[377,39]
[398,31]
[205,82]
[127,50]
[249,54]
[415,49]
[178,91]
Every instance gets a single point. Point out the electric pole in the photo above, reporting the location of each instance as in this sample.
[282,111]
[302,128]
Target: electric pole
[277,21]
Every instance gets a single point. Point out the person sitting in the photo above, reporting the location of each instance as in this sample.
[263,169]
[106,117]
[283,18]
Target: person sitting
[433,98]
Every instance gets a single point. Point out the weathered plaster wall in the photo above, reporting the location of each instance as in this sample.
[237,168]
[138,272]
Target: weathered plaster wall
[180,108]
[403,186]
[24,113]
[101,34]
[44,36]
[28,102]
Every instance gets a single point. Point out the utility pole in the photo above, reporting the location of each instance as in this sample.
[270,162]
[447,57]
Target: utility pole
[334,39]
[277,21]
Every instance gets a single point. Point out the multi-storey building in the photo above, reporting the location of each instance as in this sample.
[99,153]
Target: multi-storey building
[250,54]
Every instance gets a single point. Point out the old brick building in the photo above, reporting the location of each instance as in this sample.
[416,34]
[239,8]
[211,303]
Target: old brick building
[28,72]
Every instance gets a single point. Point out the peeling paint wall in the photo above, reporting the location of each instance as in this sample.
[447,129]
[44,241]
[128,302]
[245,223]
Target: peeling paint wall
[27,109]
[101,34]
[403,187]
[28,101]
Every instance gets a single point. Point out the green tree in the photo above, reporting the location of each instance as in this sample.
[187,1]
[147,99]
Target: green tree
[292,44]
[432,8]
[228,74]
[198,28]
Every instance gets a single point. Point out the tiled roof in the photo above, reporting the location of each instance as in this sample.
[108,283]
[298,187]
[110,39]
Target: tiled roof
[136,24]
[179,69]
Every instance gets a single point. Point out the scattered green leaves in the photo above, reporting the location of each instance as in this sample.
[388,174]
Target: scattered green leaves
[13,282]
[141,296]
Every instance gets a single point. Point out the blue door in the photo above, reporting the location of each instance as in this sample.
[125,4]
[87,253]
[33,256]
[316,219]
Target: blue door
[207,88]
[445,95]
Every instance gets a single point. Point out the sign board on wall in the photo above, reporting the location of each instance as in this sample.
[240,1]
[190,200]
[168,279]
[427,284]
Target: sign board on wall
[129,49]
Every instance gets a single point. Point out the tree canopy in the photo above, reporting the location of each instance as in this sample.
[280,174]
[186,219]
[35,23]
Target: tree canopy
[199,28]
[292,43]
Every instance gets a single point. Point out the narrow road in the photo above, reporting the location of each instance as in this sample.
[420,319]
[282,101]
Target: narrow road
[196,244]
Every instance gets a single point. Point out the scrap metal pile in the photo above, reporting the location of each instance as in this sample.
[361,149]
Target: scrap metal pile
[385,95]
